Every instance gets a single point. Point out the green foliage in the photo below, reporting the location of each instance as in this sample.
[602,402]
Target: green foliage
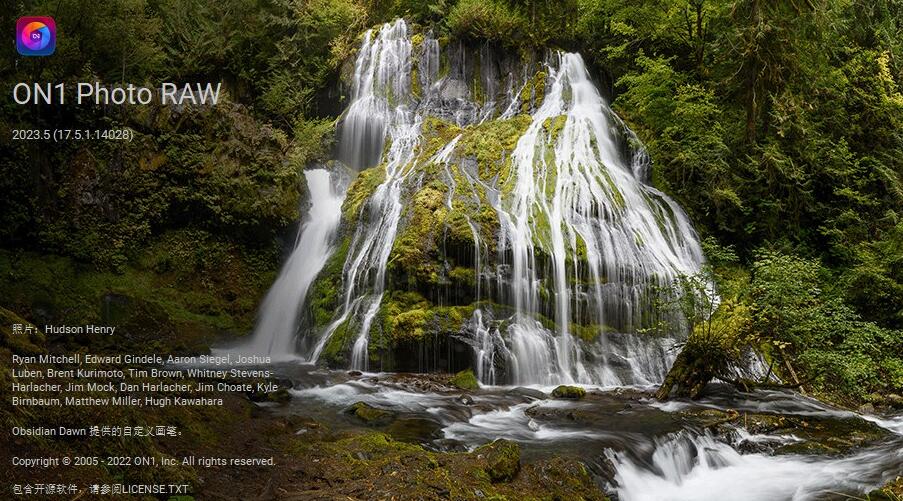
[795,309]
[793,313]
[716,348]
[490,20]
[769,131]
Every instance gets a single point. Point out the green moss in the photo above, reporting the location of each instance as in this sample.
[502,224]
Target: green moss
[436,133]
[533,93]
[369,414]
[553,126]
[416,243]
[178,300]
[463,276]
[465,380]
[892,491]
[539,87]
[361,189]
[613,190]
[569,392]
[492,142]
[502,460]
[450,319]
[27,340]
[410,324]
[387,468]
[589,333]
[337,347]
[416,91]
[323,298]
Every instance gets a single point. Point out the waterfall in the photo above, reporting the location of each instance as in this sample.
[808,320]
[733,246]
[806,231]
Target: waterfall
[381,107]
[582,239]
[576,199]
[277,325]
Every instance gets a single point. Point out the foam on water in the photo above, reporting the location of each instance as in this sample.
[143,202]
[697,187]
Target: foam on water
[689,467]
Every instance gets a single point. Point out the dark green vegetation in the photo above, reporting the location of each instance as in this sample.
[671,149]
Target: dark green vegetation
[779,128]
[777,125]
[374,466]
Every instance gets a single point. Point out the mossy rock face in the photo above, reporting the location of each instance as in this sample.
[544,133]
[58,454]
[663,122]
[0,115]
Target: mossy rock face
[19,342]
[343,467]
[502,460]
[371,415]
[465,380]
[174,304]
[569,392]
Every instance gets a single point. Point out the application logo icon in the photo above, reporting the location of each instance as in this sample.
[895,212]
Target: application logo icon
[35,35]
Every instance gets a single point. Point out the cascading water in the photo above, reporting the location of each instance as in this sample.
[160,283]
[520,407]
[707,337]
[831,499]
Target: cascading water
[381,107]
[563,278]
[575,199]
[277,327]
[581,239]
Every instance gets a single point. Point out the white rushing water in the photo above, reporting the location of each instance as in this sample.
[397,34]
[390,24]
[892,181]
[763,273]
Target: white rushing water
[692,467]
[277,326]
[583,205]
[582,240]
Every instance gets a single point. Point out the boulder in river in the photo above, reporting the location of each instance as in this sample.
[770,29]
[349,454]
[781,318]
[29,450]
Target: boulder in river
[465,380]
[569,392]
[529,393]
[370,415]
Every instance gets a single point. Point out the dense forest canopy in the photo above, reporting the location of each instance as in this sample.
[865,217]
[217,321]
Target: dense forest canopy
[777,124]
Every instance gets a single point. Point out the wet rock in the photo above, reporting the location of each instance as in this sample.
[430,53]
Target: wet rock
[449,445]
[529,393]
[355,373]
[569,392]
[465,380]
[813,434]
[373,416]
[465,399]
[894,400]
[431,383]
[892,491]
[631,393]
[269,492]
[259,395]
[866,409]
[502,460]
[281,396]
[414,430]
